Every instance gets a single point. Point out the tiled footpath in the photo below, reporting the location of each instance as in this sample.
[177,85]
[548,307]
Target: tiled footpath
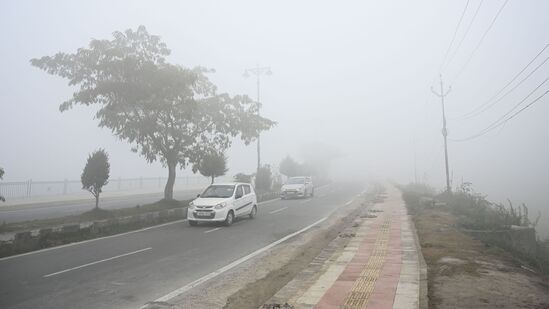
[373,264]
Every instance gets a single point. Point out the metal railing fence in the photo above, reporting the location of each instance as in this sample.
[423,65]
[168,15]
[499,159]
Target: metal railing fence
[32,188]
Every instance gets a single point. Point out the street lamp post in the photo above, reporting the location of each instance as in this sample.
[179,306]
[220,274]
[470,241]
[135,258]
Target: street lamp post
[258,71]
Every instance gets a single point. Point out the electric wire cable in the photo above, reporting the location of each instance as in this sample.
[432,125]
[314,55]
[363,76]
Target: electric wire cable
[460,71]
[466,33]
[455,34]
[490,103]
[503,120]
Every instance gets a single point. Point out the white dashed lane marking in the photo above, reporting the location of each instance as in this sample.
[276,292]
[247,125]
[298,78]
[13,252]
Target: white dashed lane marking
[212,230]
[278,210]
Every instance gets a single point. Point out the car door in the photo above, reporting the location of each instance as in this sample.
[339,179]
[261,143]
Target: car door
[249,198]
[240,202]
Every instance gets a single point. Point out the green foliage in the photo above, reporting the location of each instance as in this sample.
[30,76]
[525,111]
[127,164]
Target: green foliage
[476,212]
[420,188]
[167,112]
[212,165]
[414,193]
[263,178]
[289,167]
[96,173]
[241,177]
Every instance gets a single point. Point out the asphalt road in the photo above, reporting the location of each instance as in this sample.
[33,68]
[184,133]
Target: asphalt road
[57,209]
[129,270]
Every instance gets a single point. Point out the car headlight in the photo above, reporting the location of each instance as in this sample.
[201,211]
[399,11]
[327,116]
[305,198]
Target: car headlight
[191,205]
[220,205]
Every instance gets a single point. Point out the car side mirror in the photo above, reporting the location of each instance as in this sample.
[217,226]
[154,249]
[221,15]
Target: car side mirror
[198,195]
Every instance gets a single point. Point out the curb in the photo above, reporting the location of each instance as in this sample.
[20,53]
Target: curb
[423,287]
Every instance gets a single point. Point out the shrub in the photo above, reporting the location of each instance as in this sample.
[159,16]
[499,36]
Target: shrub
[212,165]
[241,177]
[96,174]
[263,178]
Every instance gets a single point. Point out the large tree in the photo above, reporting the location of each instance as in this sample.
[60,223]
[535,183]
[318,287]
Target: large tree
[167,112]
[212,165]
[96,174]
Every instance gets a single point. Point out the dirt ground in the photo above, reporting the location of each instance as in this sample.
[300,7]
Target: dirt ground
[465,273]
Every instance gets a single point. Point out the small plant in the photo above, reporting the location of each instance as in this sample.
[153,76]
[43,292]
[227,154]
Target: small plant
[263,178]
[96,174]
[212,165]
[241,177]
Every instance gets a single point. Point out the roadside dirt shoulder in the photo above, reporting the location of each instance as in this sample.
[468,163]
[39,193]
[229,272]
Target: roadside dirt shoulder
[465,273]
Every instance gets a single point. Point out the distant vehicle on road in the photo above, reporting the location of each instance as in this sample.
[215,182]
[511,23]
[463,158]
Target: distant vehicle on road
[301,186]
[223,202]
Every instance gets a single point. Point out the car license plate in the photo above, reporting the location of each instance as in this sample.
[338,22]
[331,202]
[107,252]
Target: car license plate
[203,213]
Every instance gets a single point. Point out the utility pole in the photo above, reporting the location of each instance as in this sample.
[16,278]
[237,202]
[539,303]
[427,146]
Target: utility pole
[258,71]
[441,95]
[415,161]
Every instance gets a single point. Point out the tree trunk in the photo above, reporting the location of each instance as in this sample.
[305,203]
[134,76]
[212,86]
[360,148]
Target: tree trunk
[213,179]
[168,190]
[97,201]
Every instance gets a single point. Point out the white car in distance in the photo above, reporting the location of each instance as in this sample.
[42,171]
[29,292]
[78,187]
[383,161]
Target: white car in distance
[223,202]
[301,186]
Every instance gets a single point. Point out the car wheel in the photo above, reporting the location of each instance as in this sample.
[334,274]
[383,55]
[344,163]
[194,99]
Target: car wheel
[193,223]
[230,218]
[253,213]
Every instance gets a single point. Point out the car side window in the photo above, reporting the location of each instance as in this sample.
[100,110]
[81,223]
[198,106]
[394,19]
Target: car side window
[247,190]
[239,191]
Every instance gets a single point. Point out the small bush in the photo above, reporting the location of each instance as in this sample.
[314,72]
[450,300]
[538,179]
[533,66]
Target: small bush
[263,178]
[413,193]
[241,177]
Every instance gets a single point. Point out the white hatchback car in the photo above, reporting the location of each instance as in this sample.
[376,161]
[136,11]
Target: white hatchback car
[223,202]
[301,186]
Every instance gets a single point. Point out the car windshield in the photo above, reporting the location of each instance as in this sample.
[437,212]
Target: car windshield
[295,181]
[216,191]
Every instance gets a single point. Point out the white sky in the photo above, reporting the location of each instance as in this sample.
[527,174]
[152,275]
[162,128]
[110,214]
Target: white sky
[354,75]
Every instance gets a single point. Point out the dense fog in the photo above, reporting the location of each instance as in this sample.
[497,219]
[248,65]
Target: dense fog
[353,78]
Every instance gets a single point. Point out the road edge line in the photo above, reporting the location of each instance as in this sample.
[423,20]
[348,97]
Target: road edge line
[233,264]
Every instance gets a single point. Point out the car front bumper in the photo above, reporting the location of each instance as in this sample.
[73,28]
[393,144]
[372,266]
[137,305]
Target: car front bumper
[214,215]
[290,194]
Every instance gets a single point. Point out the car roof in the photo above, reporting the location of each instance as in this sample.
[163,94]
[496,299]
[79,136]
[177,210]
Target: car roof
[228,183]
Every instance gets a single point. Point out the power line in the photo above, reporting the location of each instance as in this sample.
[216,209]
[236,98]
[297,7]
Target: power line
[488,104]
[480,42]
[521,101]
[466,32]
[503,120]
[454,36]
